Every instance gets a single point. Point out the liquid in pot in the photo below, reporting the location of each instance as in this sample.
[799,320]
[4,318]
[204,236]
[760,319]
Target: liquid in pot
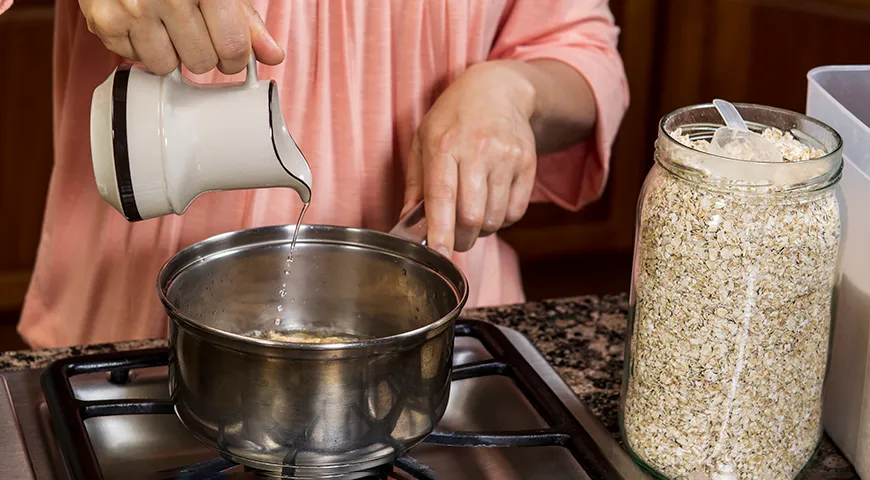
[304,336]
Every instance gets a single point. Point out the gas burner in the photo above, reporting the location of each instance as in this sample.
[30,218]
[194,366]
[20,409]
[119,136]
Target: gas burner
[509,416]
[404,468]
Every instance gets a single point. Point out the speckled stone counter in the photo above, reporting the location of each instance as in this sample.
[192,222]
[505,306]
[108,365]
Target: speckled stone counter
[582,337]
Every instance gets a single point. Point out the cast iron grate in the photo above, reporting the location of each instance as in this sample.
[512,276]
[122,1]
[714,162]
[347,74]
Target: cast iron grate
[68,413]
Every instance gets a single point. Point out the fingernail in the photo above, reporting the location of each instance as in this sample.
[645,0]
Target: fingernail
[443,251]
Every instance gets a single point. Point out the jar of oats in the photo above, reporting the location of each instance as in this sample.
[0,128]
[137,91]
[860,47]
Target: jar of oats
[735,271]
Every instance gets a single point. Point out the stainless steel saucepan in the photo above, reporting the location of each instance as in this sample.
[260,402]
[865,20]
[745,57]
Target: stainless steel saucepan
[320,409]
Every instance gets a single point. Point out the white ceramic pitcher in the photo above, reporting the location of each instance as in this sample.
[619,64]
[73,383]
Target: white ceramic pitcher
[159,141]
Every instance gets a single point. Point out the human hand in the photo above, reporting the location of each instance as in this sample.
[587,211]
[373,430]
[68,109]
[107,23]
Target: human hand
[203,33]
[473,159]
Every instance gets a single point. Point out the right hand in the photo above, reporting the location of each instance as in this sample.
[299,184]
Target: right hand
[203,33]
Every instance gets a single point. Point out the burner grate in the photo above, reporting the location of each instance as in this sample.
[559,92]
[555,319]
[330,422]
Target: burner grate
[68,413]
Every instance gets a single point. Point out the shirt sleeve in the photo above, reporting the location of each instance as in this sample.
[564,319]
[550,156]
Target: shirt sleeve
[581,34]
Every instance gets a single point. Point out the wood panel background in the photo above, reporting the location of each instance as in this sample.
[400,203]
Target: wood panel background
[25,140]
[676,53]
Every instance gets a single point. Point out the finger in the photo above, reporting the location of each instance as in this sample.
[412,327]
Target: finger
[228,27]
[521,191]
[413,179]
[498,195]
[471,204]
[265,47]
[122,46]
[111,24]
[189,35]
[153,46]
[439,192]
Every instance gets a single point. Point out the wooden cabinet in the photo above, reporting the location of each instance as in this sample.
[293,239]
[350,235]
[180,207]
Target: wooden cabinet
[676,53]
[756,51]
[25,139]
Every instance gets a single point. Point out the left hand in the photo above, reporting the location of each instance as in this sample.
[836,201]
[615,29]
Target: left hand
[473,159]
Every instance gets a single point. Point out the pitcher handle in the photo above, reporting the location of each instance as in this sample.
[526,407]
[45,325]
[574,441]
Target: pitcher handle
[251,79]
[413,225]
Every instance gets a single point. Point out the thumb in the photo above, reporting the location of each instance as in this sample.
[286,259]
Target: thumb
[265,47]
[414,178]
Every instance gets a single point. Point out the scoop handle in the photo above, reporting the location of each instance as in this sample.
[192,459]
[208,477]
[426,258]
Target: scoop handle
[730,114]
[413,225]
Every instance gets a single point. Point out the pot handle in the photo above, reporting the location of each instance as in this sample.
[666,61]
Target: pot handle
[413,225]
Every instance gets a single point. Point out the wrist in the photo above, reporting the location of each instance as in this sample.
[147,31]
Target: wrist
[514,79]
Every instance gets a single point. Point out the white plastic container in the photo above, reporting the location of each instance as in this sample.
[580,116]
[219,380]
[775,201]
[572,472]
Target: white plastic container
[840,97]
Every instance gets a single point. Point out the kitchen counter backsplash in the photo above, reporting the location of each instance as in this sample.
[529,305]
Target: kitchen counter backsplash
[582,337]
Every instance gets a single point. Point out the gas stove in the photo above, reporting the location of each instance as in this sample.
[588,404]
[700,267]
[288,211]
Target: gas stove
[510,416]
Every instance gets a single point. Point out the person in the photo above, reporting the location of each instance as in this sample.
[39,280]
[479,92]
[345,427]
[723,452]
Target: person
[478,107]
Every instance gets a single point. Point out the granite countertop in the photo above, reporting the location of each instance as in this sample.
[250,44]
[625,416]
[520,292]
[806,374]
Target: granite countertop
[582,337]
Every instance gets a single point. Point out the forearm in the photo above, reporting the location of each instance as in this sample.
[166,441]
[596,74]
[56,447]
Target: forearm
[557,100]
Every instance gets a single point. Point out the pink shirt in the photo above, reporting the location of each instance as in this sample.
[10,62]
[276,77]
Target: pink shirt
[358,78]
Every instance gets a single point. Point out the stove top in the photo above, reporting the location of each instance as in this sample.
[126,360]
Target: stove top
[510,416]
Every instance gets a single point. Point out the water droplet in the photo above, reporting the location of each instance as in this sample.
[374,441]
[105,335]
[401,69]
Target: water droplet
[418,309]
[292,300]
[280,308]
[277,321]
[286,272]
[404,272]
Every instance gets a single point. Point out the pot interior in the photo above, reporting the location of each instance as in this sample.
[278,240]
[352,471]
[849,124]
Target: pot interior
[341,281]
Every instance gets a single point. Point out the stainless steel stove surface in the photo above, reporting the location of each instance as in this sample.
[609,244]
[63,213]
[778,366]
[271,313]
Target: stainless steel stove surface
[488,408]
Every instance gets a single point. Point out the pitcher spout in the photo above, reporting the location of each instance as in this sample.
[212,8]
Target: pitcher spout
[289,155]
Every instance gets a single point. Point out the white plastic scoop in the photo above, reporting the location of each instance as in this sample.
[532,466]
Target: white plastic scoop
[736,141]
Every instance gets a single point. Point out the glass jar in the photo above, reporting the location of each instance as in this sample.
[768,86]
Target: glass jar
[735,269]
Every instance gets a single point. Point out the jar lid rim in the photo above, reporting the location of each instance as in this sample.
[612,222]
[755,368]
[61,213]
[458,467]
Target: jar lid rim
[837,150]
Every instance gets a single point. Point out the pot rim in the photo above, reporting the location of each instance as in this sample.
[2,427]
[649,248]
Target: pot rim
[179,262]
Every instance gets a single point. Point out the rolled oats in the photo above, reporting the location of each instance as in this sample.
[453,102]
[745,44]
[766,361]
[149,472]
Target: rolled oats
[731,326]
